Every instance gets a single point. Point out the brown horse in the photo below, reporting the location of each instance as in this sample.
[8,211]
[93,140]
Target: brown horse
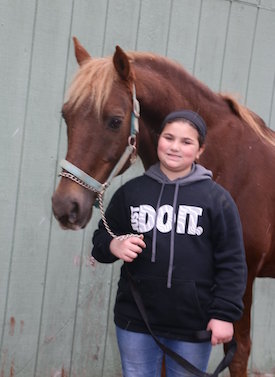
[240,150]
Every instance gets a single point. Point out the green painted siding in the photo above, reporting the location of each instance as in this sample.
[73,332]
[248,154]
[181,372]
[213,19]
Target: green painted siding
[55,309]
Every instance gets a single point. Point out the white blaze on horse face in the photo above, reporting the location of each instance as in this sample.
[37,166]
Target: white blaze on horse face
[144,218]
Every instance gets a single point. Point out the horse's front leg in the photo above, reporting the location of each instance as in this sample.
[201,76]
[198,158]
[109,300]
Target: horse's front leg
[238,367]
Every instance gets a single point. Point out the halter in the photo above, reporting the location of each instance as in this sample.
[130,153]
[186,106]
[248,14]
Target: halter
[83,179]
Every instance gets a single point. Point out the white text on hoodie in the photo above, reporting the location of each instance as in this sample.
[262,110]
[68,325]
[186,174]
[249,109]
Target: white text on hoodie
[143,219]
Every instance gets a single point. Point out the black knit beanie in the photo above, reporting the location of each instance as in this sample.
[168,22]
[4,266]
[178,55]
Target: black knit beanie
[189,115]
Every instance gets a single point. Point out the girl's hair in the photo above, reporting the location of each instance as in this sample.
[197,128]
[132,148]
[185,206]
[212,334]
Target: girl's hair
[190,117]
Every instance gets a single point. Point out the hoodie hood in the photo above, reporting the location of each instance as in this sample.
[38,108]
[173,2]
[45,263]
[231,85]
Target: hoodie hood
[197,173]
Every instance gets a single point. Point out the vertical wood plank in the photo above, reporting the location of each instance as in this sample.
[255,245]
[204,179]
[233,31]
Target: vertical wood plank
[262,72]
[238,49]
[267,4]
[183,31]
[263,343]
[126,13]
[211,42]
[154,26]
[14,78]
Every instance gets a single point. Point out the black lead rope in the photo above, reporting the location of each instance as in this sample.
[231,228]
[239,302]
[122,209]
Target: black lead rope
[202,336]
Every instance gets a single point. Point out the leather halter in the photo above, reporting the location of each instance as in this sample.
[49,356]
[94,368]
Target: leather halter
[79,176]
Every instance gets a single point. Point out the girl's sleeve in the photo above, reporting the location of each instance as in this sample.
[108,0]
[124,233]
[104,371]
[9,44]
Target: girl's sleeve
[230,262]
[116,216]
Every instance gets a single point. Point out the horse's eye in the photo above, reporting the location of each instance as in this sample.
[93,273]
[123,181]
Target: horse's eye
[114,123]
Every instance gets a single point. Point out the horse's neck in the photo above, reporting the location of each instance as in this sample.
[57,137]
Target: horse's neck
[165,86]
[162,87]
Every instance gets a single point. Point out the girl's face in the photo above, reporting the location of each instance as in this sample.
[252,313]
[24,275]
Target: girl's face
[178,148]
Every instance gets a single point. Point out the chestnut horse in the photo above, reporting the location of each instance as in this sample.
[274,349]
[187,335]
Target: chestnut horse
[240,150]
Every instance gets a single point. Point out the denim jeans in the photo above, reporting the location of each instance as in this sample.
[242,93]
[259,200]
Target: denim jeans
[142,357]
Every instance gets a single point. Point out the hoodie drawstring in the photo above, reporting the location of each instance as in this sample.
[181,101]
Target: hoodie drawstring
[172,239]
[154,240]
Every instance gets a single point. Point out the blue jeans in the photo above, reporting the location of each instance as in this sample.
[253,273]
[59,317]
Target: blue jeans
[142,357]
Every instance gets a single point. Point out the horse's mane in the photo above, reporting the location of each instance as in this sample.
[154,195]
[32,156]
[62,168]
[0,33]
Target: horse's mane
[253,120]
[95,78]
[93,81]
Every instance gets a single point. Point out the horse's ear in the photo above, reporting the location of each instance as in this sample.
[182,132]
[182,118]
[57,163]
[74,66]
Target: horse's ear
[121,63]
[80,53]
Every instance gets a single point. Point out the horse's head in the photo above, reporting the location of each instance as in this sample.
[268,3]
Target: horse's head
[98,116]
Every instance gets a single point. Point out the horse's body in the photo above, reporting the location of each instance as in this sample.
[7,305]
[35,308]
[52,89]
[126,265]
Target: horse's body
[240,150]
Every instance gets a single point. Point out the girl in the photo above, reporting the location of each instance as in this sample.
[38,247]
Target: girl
[188,265]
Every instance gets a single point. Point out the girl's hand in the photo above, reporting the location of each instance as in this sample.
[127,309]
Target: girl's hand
[127,249]
[222,331]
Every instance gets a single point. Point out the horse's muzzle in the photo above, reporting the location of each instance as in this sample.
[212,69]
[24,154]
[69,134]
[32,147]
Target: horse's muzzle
[73,208]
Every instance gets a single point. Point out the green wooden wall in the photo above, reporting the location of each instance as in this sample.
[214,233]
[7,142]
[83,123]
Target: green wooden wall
[55,309]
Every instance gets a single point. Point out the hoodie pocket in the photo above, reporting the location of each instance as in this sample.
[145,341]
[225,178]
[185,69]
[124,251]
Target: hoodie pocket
[177,306]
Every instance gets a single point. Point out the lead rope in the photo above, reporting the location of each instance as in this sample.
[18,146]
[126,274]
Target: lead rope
[123,237]
[103,217]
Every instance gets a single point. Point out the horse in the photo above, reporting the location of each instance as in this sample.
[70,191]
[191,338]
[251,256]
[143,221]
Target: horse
[240,150]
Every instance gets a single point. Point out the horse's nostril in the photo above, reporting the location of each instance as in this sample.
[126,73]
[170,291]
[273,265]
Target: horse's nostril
[72,209]
[72,217]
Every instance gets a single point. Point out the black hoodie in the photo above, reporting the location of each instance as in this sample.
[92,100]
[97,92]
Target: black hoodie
[193,268]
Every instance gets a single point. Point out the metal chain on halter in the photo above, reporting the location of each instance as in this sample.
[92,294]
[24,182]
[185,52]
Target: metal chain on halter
[76,180]
[101,208]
